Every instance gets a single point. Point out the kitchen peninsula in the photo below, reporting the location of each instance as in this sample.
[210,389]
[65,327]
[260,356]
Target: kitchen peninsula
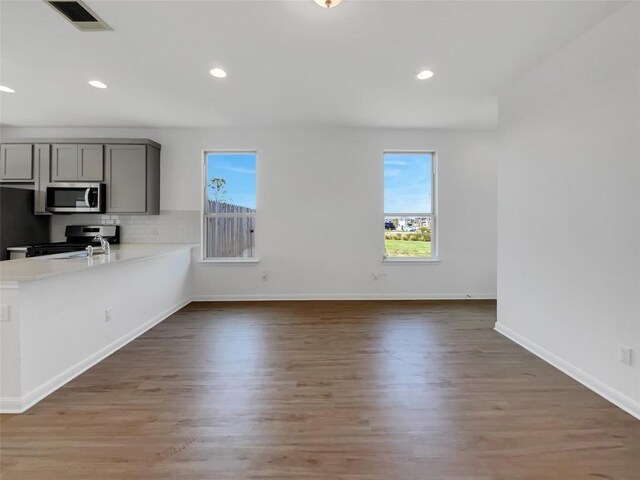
[62,315]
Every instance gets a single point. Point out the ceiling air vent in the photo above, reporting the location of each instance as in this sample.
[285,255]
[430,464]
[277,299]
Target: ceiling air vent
[79,15]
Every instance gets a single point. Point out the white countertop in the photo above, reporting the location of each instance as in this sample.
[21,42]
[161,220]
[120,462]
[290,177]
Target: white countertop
[13,272]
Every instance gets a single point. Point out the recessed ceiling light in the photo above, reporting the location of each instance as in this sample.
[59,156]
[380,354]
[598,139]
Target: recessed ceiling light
[423,75]
[97,84]
[328,3]
[218,72]
[6,89]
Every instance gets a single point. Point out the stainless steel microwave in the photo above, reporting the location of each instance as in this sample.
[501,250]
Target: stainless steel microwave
[75,197]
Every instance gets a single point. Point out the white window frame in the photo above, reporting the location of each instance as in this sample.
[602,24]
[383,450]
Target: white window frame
[434,258]
[204,215]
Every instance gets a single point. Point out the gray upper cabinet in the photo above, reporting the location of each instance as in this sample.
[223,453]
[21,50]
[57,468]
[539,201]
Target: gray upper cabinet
[16,163]
[64,163]
[128,167]
[42,165]
[90,163]
[84,163]
[132,175]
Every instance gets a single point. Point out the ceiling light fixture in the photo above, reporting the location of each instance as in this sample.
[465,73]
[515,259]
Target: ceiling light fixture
[218,72]
[423,75]
[328,3]
[6,89]
[97,84]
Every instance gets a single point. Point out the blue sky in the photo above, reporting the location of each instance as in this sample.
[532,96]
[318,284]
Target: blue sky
[407,182]
[239,170]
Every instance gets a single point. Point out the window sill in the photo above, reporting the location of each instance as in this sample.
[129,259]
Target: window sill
[230,261]
[409,261]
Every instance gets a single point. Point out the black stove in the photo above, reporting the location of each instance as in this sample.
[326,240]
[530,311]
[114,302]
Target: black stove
[78,238]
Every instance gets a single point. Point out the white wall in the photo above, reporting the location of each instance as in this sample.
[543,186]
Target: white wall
[320,201]
[569,208]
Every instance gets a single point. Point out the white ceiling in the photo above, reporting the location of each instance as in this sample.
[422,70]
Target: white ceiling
[290,63]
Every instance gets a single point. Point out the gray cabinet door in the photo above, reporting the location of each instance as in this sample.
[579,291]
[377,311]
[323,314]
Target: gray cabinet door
[16,162]
[42,164]
[64,164]
[126,178]
[90,163]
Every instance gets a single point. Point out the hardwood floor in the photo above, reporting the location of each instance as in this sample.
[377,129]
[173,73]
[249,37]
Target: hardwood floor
[323,390]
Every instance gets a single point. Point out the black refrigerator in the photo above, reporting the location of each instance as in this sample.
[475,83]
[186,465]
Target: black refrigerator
[19,226]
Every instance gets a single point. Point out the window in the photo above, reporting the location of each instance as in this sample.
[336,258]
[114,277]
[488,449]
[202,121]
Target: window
[229,205]
[409,206]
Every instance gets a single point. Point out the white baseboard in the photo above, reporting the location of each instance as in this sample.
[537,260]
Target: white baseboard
[343,296]
[11,405]
[20,405]
[616,397]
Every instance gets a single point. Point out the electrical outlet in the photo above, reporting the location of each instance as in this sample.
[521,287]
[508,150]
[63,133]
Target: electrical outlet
[263,275]
[625,354]
[107,315]
[5,313]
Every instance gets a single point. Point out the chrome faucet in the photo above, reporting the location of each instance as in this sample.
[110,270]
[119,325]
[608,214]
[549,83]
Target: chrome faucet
[103,243]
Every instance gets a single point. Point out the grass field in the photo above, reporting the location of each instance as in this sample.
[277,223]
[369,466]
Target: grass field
[405,248]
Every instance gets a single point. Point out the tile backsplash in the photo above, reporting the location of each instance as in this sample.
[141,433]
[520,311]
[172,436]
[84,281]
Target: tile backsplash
[171,226]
